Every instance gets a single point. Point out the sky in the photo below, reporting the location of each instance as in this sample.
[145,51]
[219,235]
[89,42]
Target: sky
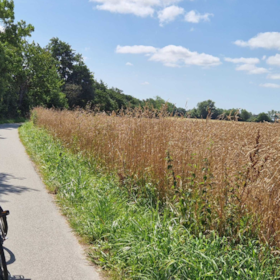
[183,51]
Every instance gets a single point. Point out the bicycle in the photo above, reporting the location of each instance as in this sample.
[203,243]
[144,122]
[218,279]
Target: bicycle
[3,234]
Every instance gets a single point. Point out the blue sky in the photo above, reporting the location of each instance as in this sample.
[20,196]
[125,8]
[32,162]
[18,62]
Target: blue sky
[184,51]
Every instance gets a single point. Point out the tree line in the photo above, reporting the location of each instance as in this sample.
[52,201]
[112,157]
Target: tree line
[57,76]
[50,76]
[208,109]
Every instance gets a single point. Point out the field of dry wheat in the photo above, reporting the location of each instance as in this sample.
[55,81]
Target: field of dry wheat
[222,176]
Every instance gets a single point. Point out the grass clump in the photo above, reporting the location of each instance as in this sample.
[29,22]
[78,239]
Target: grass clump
[132,236]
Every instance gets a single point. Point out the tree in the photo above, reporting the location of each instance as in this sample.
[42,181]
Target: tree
[245,115]
[65,57]
[73,71]
[28,74]
[274,115]
[231,114]
[217,113]
[14,33]
[12,41]
[40,84]
[193,113]
[204,107]
[263,117]
[158,103]
[73,94]
[181,111]
[82,76]
[104,102]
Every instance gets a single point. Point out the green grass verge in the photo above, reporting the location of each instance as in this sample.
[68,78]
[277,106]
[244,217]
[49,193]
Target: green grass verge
[16,120]
[130,237]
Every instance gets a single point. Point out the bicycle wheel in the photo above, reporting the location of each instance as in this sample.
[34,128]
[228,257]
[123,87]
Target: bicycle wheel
[3,264]
[3,224]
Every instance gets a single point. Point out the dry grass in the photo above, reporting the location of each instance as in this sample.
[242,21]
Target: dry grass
[221,176]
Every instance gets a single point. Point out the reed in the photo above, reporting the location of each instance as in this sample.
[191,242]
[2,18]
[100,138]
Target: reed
[221,176]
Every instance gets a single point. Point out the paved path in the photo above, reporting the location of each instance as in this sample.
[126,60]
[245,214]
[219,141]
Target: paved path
[41,245]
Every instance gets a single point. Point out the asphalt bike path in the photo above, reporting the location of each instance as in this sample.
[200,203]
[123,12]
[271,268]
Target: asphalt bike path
[40,245]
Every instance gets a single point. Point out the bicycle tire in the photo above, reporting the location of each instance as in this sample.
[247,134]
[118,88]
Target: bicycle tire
[3,265]
[3,224]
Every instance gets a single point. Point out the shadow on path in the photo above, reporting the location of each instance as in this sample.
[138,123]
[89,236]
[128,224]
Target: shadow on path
[10,126]
[7,187]
[10,258]
[16,277]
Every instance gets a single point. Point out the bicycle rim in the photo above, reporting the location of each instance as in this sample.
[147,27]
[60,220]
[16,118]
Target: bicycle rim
[3,265]
[3,224]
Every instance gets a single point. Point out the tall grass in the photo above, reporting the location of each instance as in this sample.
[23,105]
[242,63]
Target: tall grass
[221,176]
[130,237]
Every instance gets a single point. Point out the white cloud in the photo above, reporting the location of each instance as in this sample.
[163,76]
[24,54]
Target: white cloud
[243,60]
[267,40]
[166,2]
[248,65]
[172,56]
[268,85]
[142,8]
[195,17]
[87,49]
[127,8]
[274,76]
[136,49]
[129,64]
[169,14]
[85,58]
[2,29]
[274,60]
[264,57]
[251,69]
[145,83]
[192,29]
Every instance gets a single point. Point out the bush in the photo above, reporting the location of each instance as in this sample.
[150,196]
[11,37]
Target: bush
[263,117]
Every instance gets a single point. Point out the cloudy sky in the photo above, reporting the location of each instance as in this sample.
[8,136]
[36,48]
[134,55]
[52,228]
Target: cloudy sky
[184,51]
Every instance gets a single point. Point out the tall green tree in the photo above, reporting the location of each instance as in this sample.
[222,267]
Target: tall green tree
[12,40]
[245,115]
[110,99]
[263,117]
[204,107]
[104,102]
[73,71]
[40,82]
[159,102]
[29,76]
[181,111]
[82,76]
[65,57]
